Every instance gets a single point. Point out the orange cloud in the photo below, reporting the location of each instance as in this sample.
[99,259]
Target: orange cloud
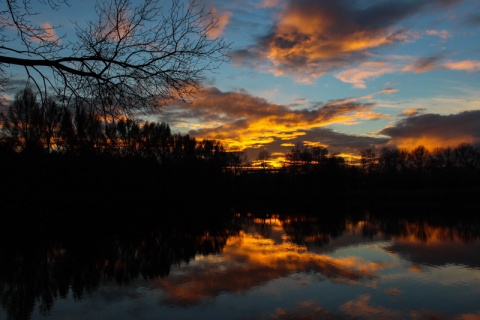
[311,38]
[467,65]
[412,112]
[366,70]
[241,120]
[223,19]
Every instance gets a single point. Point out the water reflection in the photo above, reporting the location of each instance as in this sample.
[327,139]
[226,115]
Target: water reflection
[43,267]
[310,267]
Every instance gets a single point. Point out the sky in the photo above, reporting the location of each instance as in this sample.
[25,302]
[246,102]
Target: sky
[344,74]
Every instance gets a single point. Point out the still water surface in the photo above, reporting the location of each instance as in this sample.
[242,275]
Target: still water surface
[251,267]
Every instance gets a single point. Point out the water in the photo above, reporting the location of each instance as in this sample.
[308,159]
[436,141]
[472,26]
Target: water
[249,267]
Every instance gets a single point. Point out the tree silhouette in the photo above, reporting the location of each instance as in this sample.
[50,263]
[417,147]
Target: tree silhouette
[263,156]
[368,160]
[418,158]
[23,120]
[132,56]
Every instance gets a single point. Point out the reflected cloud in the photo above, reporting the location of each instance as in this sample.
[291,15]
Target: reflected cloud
[305,310]
[250,260]
[468,316]
[362,308]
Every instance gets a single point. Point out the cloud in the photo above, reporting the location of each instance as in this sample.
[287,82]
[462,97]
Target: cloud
[366,70]
[311,38]
[434,130]
[48,34]
[270,3]
[467,65]
[362,308]
[412,112]
[475,19]
[223,19]
[423,64]
[241,120]
[436,63]
[443,34]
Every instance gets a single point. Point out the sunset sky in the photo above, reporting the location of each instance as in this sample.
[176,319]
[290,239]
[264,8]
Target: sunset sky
[344,74]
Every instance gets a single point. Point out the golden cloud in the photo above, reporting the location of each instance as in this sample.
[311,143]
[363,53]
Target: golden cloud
[241,120]
[412,112]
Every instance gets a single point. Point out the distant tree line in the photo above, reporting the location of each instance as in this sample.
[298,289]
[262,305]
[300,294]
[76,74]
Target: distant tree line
[392,166]
[32,127]
[75,152]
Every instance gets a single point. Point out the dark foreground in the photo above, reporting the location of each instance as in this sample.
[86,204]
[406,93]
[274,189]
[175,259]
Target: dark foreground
[331,260]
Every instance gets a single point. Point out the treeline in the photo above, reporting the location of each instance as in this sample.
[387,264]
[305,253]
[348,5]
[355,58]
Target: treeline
[389,167]
[64,155]
[79,154]
[31,127]
[389,160]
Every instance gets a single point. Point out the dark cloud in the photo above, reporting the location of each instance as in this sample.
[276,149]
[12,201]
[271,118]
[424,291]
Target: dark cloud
[436,130]
[313,37]
[474,19]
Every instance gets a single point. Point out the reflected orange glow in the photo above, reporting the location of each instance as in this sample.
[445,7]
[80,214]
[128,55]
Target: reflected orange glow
[415,269]
[469,316]
[248,260]
[362,308]
[417,232]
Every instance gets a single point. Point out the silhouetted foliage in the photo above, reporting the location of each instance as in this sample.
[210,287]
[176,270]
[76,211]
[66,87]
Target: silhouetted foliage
[71,153]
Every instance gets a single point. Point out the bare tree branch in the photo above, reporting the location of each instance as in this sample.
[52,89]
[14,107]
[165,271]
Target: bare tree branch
[130,58]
